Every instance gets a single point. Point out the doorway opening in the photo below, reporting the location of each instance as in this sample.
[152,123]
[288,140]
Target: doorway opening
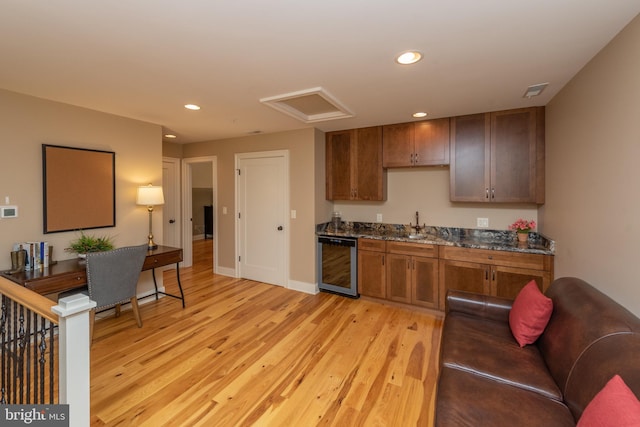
[199,189]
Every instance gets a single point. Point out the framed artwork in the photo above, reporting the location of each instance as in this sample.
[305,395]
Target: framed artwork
[79,188]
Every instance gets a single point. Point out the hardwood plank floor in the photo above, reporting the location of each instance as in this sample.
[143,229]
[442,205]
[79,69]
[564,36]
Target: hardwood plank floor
[248,353]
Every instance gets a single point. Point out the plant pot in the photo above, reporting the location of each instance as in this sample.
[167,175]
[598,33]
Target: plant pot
[523,237]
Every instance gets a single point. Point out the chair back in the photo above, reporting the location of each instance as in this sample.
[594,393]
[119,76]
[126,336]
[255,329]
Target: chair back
[112,276]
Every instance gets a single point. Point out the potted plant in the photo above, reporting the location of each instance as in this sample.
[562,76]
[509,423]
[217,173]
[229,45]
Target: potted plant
[522,228]
[85,243]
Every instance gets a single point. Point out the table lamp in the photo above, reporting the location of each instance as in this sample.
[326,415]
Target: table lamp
[150,196]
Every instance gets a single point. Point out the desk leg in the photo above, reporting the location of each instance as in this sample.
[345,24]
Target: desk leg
[179,284]
[155,284]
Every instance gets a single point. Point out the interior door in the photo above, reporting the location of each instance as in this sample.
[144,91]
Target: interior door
[170,211]
[262,205]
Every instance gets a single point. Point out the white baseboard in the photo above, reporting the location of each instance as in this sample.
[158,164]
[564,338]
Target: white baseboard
[307,288]
[225,271]
[198,237]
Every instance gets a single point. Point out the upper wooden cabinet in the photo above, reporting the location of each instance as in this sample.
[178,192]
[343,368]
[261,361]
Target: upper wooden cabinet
[354,165]
[498,157]
[423,143]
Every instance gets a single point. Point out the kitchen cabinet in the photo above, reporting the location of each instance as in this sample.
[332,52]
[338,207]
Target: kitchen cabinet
[423,143]
[412,273]
[354,165]
[498,157]
[497,273]
[371,268]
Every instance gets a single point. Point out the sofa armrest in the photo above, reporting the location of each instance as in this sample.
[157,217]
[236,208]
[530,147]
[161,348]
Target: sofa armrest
[488,307]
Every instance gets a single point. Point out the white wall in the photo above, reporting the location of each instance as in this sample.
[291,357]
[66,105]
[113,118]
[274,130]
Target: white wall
[426,190]
[593,175]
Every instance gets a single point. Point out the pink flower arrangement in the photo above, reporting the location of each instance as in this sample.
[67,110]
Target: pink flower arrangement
[522,226]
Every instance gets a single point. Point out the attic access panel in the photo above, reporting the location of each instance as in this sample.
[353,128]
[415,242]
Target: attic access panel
[309,105]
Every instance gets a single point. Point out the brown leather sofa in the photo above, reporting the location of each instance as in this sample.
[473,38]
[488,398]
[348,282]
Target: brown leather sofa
[486,379]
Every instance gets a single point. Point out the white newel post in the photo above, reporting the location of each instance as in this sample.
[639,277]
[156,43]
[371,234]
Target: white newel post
[74,356]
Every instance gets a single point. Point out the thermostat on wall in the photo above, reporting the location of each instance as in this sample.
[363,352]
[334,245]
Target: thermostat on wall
[8,211]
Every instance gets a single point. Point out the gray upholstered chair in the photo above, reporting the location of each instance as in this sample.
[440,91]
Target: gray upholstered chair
[112,277]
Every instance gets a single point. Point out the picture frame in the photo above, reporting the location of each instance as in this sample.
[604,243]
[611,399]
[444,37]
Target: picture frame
[79,188]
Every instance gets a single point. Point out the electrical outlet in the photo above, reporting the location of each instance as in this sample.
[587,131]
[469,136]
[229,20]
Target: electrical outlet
[293,214]
[224,210]
[482,222]
[379,217]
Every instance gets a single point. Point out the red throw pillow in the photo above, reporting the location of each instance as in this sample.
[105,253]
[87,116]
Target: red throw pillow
[529,314]
[615,405]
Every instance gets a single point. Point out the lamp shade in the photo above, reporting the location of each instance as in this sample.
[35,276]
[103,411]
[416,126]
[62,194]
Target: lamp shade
[150,195]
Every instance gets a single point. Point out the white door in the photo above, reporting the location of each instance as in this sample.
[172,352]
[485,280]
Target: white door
[263,189]
[170,211]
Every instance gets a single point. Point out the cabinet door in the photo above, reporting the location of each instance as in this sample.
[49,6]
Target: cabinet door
[424,289]
[367,173]
[431,142]
[399,278]
[463,276]
[397,145]
[372,274]
[514,155]
[338,165]
[470,158]
[507,282]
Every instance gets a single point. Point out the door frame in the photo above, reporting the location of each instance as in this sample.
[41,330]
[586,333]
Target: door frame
[187,211]
[286,219]
[177,194]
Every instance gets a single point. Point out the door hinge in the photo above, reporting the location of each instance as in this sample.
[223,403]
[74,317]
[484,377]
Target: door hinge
[239,215]
[238,172]
[239,257]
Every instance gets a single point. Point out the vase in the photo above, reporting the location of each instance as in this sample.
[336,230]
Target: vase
[523,237]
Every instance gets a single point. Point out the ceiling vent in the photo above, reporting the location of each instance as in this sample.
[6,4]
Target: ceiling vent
[535,90]
[309,105]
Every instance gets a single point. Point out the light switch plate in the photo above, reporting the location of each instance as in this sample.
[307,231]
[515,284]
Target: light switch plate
[379,217]
[483,222]
[293,214]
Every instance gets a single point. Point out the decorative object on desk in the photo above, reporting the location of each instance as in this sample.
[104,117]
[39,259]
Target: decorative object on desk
[18,261]
[85,244]
[522,227]
[150,196]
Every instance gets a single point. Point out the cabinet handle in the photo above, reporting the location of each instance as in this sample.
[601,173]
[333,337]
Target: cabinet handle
[411,158]
[383,260]
[487,193]
[486,274]
[493,275]
[415,158]
[493,193]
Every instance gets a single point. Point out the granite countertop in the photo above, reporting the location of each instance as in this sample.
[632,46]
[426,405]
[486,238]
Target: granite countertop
[498,240]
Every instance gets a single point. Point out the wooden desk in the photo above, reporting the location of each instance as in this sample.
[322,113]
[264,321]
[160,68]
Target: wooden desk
[72,273]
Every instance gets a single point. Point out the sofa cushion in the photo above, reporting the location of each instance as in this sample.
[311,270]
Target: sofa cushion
[530,314]
[466,399]
[487,348]
[615,405]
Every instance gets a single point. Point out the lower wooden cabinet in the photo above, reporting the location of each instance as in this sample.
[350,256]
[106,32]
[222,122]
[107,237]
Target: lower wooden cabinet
[421,274]
[412,273]
[499,273]
[371,268]
[398,271]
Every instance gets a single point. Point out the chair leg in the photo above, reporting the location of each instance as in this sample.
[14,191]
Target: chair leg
[92,320]
[136,311]
[117,310]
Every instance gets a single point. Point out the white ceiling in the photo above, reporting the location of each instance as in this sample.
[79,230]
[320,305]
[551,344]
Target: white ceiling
[145,59]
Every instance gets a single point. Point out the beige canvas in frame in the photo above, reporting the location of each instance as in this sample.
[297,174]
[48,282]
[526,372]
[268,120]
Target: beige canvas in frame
[78,188]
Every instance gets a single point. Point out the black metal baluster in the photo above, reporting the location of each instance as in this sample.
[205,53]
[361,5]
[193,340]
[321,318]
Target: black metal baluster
[3,355]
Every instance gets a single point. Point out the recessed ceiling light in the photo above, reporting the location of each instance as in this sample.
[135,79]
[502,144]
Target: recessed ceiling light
[170,136]
[192,107]
[409,57]
[419,114]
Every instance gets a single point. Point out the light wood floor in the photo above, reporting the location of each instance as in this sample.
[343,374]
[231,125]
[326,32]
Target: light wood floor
[248,353]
